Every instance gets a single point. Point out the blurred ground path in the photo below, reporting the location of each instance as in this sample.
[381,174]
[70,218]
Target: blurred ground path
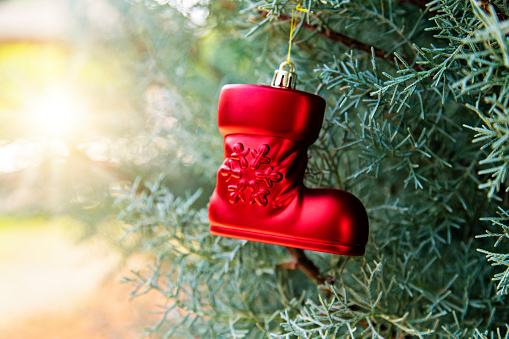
[54,287]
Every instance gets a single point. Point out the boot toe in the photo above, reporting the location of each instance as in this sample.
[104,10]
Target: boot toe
[339,218]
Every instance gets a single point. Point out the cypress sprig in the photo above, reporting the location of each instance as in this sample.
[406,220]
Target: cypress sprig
[502,241]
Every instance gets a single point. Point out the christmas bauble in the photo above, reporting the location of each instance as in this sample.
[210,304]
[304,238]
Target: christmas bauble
[260,194]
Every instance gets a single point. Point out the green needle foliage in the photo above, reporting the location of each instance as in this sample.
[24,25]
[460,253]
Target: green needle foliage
[417,126]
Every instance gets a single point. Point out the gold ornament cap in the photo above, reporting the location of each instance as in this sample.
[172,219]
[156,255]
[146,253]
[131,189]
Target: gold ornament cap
[283,78]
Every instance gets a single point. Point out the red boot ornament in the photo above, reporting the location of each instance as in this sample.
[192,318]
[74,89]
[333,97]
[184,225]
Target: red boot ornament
[260,194]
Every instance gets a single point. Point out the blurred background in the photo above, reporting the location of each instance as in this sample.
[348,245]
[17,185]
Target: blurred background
[71,131]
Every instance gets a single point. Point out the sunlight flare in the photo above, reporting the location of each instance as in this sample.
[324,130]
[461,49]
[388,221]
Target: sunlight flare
[58,113]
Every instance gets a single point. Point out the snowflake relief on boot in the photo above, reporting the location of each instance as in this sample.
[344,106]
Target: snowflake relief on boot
[240,154]
[269,176]
[238,191]
[258,195]
[228,170]
[260,156]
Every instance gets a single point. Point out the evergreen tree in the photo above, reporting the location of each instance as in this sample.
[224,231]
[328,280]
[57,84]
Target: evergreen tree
[417,127]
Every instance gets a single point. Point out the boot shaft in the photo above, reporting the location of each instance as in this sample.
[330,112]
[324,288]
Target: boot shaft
[267,131]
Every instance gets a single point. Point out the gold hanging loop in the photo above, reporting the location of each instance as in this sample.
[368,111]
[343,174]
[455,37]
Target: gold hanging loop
[285,78]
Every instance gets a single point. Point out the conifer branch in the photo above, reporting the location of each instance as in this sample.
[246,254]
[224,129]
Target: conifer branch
[417,3]
[348,41]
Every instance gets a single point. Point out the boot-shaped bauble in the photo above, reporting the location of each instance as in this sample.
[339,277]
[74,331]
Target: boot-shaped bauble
[260,194]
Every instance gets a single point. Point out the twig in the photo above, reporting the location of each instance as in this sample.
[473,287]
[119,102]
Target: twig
[348,41]
[487,5]
[484,4]
[302,263]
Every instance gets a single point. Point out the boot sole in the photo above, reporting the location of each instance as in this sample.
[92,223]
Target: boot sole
[287,241]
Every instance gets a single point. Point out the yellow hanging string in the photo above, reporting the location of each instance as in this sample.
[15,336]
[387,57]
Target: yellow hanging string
[293,23]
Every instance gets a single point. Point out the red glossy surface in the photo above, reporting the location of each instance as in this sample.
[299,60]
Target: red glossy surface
[260,195]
